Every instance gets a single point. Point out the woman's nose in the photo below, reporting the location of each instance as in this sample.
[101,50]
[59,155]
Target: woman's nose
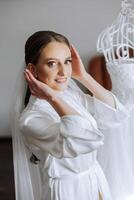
[62,70]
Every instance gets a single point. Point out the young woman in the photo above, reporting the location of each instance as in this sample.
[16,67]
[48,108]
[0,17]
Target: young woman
[59,123]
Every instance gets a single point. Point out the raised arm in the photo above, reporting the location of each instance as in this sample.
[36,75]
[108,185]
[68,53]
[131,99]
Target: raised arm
[80,74]
[43,91]
[68,137]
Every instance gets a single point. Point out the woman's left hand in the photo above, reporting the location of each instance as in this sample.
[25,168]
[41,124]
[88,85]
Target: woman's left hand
[78,69]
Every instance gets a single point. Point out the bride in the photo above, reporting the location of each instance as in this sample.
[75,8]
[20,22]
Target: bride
[58,129]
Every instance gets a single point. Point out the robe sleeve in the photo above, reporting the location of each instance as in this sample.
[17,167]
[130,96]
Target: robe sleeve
[71,136]
[105,115]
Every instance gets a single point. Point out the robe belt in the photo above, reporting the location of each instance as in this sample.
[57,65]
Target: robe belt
[71,176]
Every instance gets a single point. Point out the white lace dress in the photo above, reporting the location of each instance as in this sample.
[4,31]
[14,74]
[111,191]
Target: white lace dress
[117,154]
[67,146]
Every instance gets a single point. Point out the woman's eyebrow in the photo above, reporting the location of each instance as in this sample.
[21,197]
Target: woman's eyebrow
[69,58]
[51,58]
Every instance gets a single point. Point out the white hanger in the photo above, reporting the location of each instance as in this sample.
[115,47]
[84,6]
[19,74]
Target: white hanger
[116,42]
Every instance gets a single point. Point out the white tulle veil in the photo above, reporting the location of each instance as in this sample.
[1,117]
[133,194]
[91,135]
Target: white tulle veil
[27,175]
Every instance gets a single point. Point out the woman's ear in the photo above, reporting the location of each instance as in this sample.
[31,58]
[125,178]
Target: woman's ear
[32,69]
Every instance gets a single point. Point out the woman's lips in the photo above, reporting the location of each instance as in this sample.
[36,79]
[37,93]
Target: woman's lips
[61,80]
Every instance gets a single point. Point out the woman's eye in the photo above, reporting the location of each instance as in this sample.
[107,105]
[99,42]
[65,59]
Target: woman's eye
[51,64]
[68,61]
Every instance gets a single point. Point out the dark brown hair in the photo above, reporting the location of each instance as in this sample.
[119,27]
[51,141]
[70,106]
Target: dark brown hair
[38,41]
[34,46]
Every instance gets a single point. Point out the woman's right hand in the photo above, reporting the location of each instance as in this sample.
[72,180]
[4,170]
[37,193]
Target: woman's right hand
[38,88]
[43,91]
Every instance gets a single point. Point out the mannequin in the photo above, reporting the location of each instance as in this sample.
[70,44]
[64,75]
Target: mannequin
[116,42]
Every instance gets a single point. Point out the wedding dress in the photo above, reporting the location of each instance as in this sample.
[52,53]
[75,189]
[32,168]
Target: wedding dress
[116,42]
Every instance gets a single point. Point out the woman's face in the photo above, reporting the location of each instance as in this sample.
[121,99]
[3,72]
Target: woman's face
[54,65]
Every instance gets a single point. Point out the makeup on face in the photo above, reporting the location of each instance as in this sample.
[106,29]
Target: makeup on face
[54,67]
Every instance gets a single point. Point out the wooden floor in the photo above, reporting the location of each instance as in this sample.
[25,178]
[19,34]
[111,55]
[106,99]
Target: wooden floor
[6,170]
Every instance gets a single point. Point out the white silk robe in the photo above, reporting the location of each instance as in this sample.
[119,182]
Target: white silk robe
[67,146]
